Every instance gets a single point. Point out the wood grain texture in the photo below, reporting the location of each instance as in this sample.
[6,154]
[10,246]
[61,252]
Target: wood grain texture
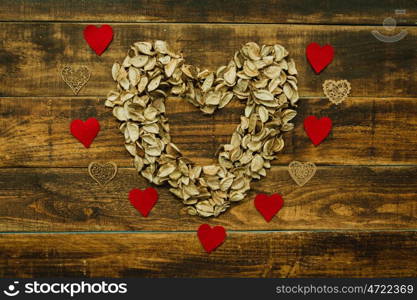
[335,198]
[32,55]
[35,132]
[235,11]
[274,254]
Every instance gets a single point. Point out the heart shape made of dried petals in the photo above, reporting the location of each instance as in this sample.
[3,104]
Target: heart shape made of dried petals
[302,172]
[211,237]
[336,91]
[102,173]
[75,78]
[262,77]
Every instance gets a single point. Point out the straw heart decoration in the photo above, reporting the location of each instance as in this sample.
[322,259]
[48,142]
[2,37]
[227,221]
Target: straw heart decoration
[262,77]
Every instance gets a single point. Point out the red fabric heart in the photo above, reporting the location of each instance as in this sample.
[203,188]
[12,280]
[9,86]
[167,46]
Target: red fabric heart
[86,131]
[211,238]
[268,206]
[319,57]
[98,38]
[317,129]
[143,200]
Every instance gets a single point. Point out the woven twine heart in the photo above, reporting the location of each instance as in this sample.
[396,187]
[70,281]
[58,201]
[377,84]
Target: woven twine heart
[75,79]
[336,91]
[262,77]
[301,172]
[102,173]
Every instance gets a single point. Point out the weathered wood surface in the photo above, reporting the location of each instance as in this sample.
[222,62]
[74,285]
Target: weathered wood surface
[336,198]
[274,254]
[32,55]
[231,11]
[367,131]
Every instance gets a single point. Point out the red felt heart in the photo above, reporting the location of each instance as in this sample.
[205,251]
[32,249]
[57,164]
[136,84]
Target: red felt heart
[143,200]
[98,37]
[86,131]
[319,57]
[268,206]
[317,129]
[211,238]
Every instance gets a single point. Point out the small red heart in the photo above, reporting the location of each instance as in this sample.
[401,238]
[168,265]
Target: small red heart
[211,238]
[319,57]
[86,131]
[268,206]
[143,200]
[317,129]
[98,38]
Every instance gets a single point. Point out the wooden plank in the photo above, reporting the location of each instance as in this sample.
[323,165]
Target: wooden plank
[32,55]
[275,254]
[35,132]
[336,198]
[235,11]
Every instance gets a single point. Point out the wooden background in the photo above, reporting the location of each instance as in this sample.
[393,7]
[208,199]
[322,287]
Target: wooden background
[356,218]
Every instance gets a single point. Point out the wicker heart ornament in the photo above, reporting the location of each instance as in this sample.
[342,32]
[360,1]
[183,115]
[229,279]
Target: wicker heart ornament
[336,91]
[262,77]
[102,173]
[301,172]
